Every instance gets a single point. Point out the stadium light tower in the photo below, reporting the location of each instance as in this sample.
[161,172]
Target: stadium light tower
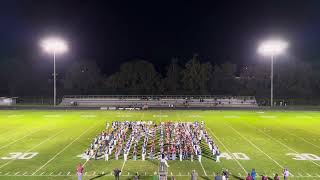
[272,48]
[54,46]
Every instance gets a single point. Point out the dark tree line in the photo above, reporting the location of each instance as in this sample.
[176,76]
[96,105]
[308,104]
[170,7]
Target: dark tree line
[293,80]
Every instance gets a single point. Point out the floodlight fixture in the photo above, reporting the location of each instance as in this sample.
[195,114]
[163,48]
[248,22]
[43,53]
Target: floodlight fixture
[54,46]
[272,48]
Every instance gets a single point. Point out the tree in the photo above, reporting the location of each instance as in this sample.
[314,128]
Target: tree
[195,76]
[136,77]
[20,78]
[223,80]
[171,83]
[255,80]
[83,77]
[293,79]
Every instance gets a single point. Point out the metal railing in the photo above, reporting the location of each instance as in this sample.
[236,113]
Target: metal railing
[158,97]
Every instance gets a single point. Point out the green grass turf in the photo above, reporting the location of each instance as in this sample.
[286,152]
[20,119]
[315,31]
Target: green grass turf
[59,136]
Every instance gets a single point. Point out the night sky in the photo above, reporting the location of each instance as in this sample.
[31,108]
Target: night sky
[112,32]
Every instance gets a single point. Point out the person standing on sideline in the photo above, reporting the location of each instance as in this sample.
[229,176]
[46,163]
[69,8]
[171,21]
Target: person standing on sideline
[249,177]
[117,173]
[253,174]
[194,175]
[265,177]
[155,176]
[80,170]
[223,177]
[276,177]
[137,176]
[218,177]
[226,173]
[286,174]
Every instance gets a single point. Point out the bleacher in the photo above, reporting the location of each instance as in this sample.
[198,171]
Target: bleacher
[158,101]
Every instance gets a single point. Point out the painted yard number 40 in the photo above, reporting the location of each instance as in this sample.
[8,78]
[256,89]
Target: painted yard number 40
[20,155]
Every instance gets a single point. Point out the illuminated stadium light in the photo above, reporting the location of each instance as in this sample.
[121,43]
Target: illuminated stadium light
[272,47]
[54,46]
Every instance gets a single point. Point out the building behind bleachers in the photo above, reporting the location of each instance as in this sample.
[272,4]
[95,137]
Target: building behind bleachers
[7,101]
[159,101]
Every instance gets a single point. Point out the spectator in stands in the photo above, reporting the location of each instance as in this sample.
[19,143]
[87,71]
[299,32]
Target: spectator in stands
[249,177]
[253,174]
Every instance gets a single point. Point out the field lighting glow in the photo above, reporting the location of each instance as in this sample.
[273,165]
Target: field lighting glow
[54,45]
[272,47]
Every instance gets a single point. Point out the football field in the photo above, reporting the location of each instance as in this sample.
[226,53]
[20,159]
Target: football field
[47,144]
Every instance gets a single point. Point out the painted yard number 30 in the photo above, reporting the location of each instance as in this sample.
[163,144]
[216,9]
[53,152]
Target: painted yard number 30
[304,156]
[20,155]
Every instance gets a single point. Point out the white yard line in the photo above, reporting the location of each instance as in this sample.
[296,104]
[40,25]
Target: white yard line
[34,147]
[255,146]
[63,150]
[228,151]
[29,134]
[84,164]
[124,162]
[289,148]
[300,138]
[92,175]
[205,173]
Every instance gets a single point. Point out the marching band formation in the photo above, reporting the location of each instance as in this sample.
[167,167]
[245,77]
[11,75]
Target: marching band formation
[146,139]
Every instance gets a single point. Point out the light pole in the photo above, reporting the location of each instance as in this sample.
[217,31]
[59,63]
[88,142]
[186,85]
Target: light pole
[272,48]
[54,46]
